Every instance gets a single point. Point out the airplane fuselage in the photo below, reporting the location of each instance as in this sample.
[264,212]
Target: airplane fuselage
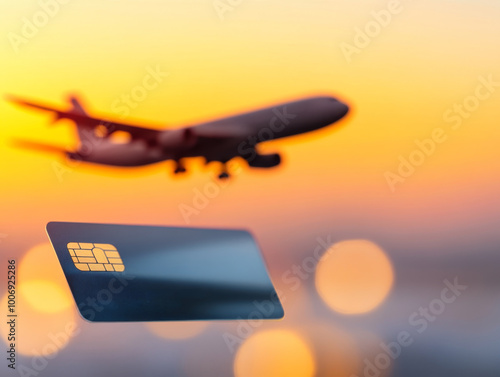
[209,139]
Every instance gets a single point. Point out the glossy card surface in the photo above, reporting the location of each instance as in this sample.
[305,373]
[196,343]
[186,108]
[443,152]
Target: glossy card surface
[153,273]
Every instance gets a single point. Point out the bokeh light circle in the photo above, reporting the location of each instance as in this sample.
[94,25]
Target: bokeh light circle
[47,319]
[273,353]
[354,276]
[335,349]
[45,296]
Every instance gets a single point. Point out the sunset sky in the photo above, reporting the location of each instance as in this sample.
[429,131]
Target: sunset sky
[403,87]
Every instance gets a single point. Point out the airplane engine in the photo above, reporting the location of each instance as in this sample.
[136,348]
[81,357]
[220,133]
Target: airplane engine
[182,138]
[264,160]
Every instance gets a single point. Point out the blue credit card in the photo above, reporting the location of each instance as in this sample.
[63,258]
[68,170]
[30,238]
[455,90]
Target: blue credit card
[155,273]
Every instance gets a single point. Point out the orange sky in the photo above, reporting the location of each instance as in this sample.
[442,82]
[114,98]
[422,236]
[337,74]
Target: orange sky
[430,56]
[398,87]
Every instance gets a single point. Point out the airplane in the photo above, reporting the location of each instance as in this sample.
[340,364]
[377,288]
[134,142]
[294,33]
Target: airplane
[216,140]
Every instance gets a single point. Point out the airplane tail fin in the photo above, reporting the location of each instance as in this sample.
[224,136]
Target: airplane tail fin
[76,109]
[77,106]
[35,145]
[84,131]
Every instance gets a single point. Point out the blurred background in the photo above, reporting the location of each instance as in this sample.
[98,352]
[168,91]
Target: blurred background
[380,233]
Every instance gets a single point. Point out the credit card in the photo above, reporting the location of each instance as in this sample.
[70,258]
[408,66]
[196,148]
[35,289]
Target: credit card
[154,273]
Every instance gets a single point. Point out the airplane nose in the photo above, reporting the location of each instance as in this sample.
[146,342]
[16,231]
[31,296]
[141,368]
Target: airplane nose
[339,109]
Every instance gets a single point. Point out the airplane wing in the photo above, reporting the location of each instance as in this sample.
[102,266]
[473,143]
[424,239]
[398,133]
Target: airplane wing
[80,117]
[35,145]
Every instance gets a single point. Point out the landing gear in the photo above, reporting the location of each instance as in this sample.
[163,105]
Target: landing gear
[179,168]
[224,173]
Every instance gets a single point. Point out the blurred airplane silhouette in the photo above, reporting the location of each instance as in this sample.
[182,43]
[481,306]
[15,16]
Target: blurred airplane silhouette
[217,140]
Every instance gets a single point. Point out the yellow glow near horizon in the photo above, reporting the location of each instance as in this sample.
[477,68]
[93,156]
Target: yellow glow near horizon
[40,262]
[44,304]
[45,296]
[40,332]
[274,353]
[43,282]
[354,276]
[210,75]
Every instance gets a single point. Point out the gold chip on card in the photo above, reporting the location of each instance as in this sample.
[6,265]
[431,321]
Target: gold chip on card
[95,256]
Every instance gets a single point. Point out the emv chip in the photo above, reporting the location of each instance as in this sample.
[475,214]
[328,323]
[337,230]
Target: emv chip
[95,256]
